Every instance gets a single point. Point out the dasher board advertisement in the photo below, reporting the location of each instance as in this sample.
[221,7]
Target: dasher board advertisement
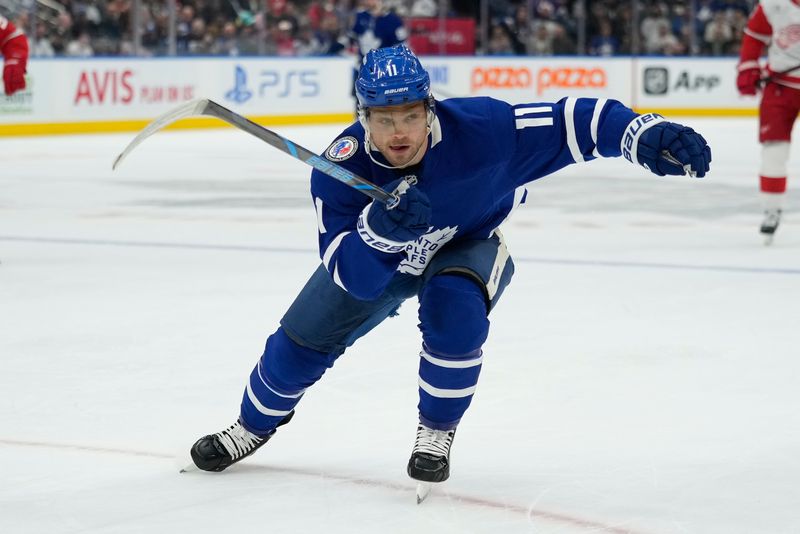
[520,80]
[704,85]
[104,90]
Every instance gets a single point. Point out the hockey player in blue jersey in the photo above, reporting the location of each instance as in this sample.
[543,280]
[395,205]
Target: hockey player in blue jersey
[461,167]
[374,28]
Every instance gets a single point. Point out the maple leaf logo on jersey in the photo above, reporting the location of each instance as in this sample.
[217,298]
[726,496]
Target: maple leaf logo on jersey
[788,36]
[420,252]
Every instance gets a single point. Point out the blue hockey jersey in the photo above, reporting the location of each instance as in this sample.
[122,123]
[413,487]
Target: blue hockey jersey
[380,31]
[481,153]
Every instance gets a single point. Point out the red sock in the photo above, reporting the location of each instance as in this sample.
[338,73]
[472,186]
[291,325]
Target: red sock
[771,184]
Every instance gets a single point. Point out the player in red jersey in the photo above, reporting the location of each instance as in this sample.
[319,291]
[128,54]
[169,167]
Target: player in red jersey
[774,24]
[14,47]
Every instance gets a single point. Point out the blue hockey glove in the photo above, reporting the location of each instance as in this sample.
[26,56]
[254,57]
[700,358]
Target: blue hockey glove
[390,230]
[671,148]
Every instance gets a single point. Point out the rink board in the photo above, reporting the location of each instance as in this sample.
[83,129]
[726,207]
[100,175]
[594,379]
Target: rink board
[123,94]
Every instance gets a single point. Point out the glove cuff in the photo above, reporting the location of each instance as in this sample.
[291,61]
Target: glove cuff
[374,240]
[748,65]
[630,139]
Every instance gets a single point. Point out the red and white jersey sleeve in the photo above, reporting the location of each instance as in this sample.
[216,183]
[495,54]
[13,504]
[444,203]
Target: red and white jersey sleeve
[7,32]
[776,24]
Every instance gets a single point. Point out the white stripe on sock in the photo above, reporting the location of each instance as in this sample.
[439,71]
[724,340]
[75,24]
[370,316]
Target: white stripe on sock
[445,393]
[260,407]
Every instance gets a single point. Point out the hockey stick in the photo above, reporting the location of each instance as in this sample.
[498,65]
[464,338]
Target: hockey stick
[209,108]
[766,79]
[763,81]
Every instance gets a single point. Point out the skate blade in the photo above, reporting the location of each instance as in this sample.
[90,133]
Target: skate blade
[423,490]
[184,463]
[768,239]
[188,468]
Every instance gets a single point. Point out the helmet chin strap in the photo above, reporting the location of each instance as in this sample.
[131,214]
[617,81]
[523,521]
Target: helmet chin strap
[362,118]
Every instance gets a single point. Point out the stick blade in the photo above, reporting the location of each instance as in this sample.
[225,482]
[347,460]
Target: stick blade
[189,109]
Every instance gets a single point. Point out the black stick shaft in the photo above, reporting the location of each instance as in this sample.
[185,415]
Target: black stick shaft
[299,152]
[209,108]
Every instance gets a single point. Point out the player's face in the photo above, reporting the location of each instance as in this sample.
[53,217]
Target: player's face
[400,133]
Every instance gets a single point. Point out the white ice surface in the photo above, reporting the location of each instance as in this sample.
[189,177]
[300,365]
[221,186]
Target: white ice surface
[641,375]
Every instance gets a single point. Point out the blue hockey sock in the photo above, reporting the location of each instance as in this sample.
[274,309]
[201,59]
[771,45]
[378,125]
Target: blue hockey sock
[454,327]
[278,381]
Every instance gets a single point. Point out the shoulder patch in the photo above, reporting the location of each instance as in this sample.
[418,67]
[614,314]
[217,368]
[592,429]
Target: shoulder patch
[342,149]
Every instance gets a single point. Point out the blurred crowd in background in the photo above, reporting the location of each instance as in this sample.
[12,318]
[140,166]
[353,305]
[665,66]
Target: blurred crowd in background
[82,28]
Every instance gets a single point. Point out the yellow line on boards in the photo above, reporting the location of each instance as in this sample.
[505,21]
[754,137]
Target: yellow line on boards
[700,112]
[59,128]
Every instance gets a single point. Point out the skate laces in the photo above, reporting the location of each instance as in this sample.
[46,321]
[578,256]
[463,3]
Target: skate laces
[237,440]
[434,442]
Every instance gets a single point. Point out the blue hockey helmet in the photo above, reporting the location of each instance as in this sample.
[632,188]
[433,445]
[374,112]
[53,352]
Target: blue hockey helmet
[392,76]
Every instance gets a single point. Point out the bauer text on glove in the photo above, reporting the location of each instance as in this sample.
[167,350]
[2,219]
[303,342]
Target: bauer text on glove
[390,230]
[672,148]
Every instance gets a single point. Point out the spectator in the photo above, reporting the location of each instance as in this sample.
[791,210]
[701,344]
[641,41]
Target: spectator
[554,32]
[520,29]
[183,29]
[655,28]
[227,43]
[718,34]
[314,14]
[279,11]
[604,44]
[62,33]
[329,40]
[41,46]
[541,42]
[738,21]
[153,30]
[666,43]
[499,42]
[424,8]
[563,25]
[248,40]
[282,37]
[304,43]
[683,26]
[115,19]
[398,7]
[199,40]
[622,22]
[562,41]
[269,27]
[80,47]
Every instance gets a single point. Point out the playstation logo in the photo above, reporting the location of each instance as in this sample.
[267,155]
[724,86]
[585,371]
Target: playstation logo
[240,93]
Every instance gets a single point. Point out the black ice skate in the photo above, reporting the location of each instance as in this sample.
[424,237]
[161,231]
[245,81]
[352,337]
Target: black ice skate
[430,459]
[772,218]
[219,451]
